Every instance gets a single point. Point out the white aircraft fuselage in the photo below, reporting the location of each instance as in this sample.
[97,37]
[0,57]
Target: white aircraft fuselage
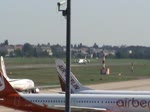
[103,103]
[18,84]
[21,84]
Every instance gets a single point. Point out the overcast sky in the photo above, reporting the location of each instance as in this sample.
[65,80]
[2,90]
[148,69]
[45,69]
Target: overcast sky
[105,22]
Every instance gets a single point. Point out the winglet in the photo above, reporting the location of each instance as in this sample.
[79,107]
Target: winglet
[5,87]
[76,86]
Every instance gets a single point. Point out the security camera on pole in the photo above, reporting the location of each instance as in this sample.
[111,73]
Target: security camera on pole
[67,14]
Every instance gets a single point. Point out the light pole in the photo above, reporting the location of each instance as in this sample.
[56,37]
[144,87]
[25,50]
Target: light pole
[67,13]
[132,64]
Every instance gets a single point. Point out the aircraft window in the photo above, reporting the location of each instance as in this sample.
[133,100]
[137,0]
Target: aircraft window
[97,101]
[102,101]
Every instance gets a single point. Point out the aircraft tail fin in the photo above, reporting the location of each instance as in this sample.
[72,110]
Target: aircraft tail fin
[4,68]
[62,84]
[76,86]
[5,87]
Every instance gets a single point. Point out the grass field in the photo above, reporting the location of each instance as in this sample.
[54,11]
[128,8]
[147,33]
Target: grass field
[87,74]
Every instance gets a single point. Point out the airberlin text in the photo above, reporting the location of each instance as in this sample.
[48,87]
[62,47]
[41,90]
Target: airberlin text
[72,81]
[133,102]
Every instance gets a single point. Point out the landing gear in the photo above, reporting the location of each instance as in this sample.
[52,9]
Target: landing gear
[36,90]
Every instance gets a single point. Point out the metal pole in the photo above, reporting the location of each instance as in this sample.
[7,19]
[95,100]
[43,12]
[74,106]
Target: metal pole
[68,56]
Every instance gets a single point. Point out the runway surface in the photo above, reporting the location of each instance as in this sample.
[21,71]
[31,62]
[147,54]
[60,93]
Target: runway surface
[143,84]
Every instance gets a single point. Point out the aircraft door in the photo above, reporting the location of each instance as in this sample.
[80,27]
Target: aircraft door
[73,101]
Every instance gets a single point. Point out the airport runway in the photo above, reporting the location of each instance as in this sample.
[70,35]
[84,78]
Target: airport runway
[143,84]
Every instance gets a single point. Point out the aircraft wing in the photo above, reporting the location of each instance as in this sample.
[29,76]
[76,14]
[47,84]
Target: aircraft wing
[38,88]
[47,87]
[81,109]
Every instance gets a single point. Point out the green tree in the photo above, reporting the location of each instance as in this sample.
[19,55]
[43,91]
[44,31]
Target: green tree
[28,50]
[18,53]
[95,45]
[6,42]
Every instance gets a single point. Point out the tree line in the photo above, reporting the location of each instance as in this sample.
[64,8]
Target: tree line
[120,52]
